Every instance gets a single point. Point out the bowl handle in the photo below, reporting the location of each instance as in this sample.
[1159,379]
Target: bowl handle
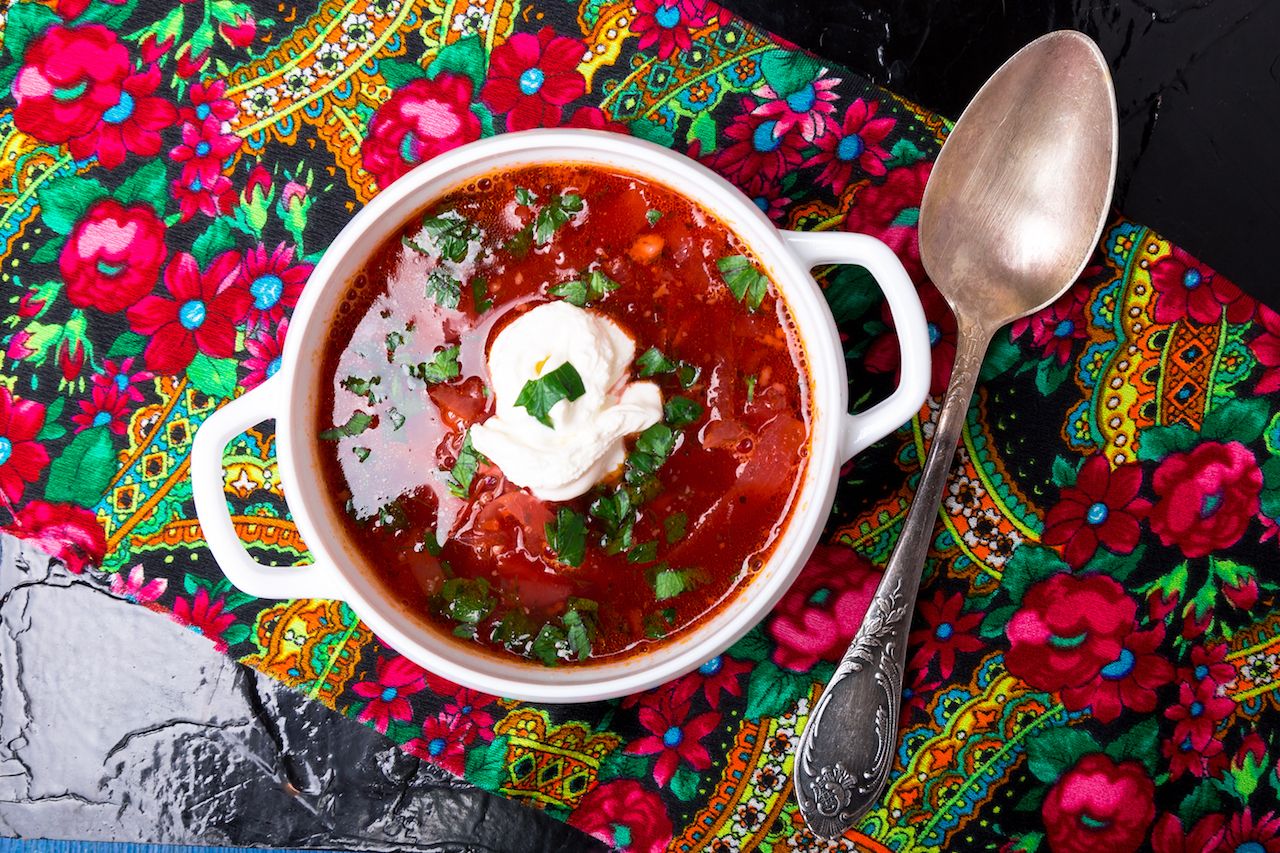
[828,247]
[314,581]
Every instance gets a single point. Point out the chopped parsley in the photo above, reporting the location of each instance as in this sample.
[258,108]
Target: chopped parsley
[582,291]
[393,341]
[444,288]
[558,210]
[657,441]
[687,374]
[652,362]
[362,387]
[675,526]
[466,600]
[653,216]
[451,234]
[464,469]
[480,294]
[681,411]
[744,280]
[526,196]
[659,625]
[356,424]
[538,396]
[571,638]
[567,536]
[442,367]
[397,419]
[643,552]
[362,453]
[668,583]
[751,387]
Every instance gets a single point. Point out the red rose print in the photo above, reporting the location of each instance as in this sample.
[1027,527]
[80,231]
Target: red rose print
[624,815]
[531,78]
[444,742]
[883,356]
[1099,805]
[132,125]
[756,153]
[1207,497]
[856,144]
[71,9]
[113,256]
[69,78]
[667,24]
[1055,329]
[394,679]
[1130,681]
[201,316]
[22,457]
[890,211]
[419,121]
[1103,507]
[204,616]
[67,532]
[945,631]
[1185,288]
[822,610]
[1067,630]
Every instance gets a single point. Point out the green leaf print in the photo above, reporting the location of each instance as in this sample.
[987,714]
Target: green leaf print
[81,474]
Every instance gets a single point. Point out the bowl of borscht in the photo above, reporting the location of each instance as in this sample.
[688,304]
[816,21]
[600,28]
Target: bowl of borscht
[560,415]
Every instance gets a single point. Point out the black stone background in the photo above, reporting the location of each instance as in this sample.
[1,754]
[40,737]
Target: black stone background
[186,746]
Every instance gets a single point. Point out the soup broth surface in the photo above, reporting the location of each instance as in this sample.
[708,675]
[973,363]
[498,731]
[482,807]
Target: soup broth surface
[666,539]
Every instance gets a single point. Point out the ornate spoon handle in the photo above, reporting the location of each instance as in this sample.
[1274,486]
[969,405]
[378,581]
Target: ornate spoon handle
[847,746]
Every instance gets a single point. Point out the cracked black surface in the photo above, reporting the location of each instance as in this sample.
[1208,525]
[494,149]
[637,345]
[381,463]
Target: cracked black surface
[116,724]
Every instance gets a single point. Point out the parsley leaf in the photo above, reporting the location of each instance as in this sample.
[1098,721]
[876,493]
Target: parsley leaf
[466,600]
[393,341]
[362,453]
[451,234]
[644,552]
[442,367]
[675,525]
[751,387]
[444,288]
[464,469]
[356,424]
[480,294]
[658,625]
[687,374]
[525,196]
[652,362]
[397,419]
[581,291]
[547,645]
[653,216]
[539,395]
[362,387]
[556,212]
[657,441]
[668,582]
[681,411]
[567,536]
[515,631]
[747,283]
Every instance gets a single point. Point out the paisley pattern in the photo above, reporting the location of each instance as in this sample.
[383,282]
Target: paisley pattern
[1095,658]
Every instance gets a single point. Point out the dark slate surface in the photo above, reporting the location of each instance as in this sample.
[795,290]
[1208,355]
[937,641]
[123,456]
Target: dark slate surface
[117,724]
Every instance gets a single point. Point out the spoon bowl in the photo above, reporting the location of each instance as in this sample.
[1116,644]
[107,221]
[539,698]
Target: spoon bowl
[1014,208]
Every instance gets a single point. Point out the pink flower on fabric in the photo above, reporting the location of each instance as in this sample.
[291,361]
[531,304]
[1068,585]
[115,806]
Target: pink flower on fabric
[673,736]
[106,407]
[1186,288]
[1130,681]
[822,610]
[266,353]
[67,532]
[204,149]
[122,377]
[444,742]
[1099,805]
[1199,710]
[1055,329]
[721,674]
[757,153]
[1102,508]
[624,815]
[208,101]
[201,316]
[1266,349]
[808,109]
[113,256]
[857,143]
[945,631]
[420,120]
[1247,833]
[468,707]
[212,197]
[395,679]
[23,458]
[136,588]
[274,281]
[890,212]
[204,616]
[883,354]
[70,77]
[668,24]
[532,78]
[1207,497]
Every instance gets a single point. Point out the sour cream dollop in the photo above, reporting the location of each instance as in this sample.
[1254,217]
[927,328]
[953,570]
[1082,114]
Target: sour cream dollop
[585,441]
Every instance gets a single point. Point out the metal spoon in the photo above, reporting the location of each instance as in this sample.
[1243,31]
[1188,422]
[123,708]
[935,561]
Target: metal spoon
[1013,210]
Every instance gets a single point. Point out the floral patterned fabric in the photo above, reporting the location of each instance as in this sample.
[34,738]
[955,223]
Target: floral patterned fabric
[1095,659]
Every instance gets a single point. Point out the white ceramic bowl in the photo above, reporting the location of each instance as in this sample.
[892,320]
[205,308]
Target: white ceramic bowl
[289,397]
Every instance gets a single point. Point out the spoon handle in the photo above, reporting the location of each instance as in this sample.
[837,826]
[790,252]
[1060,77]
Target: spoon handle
[848,744]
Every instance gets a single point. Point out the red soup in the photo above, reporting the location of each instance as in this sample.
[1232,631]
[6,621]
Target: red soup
[698,498]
